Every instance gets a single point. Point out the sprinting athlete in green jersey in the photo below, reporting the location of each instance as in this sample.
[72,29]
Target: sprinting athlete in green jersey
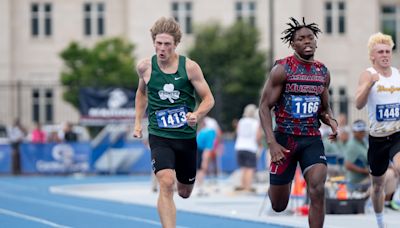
[167,86]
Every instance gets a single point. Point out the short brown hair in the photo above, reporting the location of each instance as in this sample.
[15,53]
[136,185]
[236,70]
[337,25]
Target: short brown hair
[169,26]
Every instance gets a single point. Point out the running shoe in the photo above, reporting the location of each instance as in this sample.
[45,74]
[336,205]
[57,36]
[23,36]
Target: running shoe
[393,205]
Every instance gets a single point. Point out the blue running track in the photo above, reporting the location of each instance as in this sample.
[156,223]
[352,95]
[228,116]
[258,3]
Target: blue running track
[25,201]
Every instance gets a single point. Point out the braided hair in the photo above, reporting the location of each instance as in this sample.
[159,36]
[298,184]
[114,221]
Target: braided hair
[295,26]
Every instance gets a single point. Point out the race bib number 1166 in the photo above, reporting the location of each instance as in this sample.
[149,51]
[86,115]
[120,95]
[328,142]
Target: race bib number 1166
[305,106]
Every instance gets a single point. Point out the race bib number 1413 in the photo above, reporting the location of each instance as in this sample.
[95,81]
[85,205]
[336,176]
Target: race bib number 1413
[171,118]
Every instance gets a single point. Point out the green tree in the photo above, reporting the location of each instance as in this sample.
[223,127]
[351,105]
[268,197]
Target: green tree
[109,63]
[233,65]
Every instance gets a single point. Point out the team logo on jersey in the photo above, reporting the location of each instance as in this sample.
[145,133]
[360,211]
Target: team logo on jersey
[391,89]
[169,93]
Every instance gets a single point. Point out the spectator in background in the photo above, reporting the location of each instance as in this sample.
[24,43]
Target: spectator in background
[67,134]
[38,135]
[234,124]
[17,135]
[342,120]
[206,137]
[247,144]
[217,145]
[355,158]
[356,166]
[337,146]
[3,131]
[53,137]
[334,151]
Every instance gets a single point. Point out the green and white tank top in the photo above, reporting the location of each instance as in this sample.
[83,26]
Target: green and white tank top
[170,97]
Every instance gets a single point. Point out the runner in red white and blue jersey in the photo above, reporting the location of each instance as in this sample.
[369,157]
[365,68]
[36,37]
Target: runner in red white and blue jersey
[297,90]
[296,111]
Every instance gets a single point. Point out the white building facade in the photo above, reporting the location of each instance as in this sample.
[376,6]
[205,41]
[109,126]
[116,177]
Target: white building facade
[34,32]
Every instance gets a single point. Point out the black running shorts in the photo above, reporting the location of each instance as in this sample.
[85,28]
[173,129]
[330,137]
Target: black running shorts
[382,150]
[177,154]
[307,150]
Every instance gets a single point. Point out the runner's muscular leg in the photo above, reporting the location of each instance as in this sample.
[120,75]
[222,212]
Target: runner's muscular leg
[378,193]
[391,181]
[184,190]
[315,178]
[165,203]
[396,164]
[279,196]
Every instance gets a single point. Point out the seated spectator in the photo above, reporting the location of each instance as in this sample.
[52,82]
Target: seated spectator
[335,149]
[356,166]
[356,159]
[38,135]
[53,137]
[338,146]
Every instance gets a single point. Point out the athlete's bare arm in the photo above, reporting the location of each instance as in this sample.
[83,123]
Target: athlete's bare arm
[326,115]
[366,81]
[270,95]
[198,81]
[355,168]
[144,70]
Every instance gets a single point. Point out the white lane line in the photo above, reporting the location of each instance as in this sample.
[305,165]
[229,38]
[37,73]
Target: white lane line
[31,218]
[82,209]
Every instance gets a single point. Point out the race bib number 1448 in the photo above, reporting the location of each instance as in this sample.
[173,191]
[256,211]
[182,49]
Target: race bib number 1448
[388,112]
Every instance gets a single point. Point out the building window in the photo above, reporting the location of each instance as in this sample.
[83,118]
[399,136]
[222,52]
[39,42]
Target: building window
[239,9]
[41,19]
[47,19]
[35,105]
[49,106]
[42,106]
[87,19]
[100,19]
[390,21]
[246,11]
[94,19]
[182,12]
[335,17]
[342,17]
[328,17]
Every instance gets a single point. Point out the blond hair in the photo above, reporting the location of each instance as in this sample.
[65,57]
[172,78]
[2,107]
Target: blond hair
[250,111]
[169,26]
[379,38]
